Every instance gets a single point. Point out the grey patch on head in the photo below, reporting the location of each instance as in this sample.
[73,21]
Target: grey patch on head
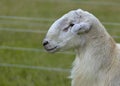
[78,14]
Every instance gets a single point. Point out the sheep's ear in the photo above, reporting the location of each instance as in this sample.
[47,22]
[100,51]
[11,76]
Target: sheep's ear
[80,28]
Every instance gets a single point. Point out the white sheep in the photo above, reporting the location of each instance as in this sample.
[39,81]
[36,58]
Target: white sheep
[97,60]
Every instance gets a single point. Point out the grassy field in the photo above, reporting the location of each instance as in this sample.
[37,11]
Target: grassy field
[23,24]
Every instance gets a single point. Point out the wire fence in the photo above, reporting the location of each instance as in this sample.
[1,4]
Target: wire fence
[22,30]
[10,18]
[39,19]
[30,49]
[34,67]
[26,18]
[6,22]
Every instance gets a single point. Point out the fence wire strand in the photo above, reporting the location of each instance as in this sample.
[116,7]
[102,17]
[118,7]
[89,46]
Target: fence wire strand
[43,31]
[31,49]
[34,67]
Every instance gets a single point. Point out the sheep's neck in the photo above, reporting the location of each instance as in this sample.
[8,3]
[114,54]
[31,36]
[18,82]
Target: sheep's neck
[92,60]
[96,53]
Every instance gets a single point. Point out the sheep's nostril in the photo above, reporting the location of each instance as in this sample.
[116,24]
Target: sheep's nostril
[45,43]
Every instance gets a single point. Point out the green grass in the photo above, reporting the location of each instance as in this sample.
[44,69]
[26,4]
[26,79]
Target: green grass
[15,76]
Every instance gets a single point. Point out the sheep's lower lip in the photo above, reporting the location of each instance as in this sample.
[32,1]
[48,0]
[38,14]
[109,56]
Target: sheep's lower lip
[52,49]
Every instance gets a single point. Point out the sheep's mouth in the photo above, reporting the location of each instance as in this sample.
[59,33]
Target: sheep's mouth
[54,49]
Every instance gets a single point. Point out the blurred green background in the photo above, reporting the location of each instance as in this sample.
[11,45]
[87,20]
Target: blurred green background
[23,25]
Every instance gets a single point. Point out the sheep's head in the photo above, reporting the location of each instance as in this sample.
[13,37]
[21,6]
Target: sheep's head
[68,31]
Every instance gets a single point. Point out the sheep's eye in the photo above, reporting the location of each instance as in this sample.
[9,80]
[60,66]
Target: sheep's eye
[66,29]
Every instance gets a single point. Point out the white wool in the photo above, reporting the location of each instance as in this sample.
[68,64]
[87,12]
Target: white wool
[97,61]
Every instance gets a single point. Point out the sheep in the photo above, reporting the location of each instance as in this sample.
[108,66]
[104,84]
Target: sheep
[97,61]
